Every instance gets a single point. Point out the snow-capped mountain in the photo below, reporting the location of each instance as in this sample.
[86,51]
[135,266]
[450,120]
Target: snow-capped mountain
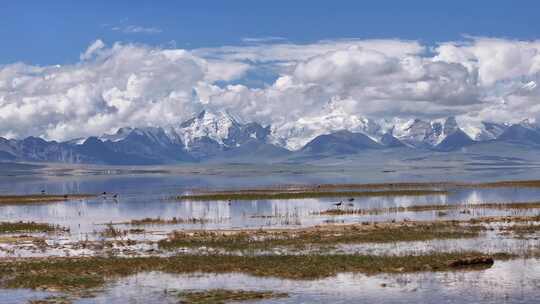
[485,131]
[210,133]
[424,134]
[295,135]
[220,135]
[209,125]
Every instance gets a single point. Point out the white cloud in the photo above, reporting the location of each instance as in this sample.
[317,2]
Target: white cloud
[332,83]
[494,59]
[262,39]
[137,29]
[92,49]
[292,53]
[121,85]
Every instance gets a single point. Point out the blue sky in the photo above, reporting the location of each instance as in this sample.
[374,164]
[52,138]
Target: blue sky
[55,32]
[72,69]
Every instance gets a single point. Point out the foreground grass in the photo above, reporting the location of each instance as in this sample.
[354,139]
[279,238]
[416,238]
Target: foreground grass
[521,231]
[504,219]
[423,208]
[39,198]
[73,274]
[322,236]
[443,185]
[263,195]
[222,296]
[162,221]
[28,227]
[390,186]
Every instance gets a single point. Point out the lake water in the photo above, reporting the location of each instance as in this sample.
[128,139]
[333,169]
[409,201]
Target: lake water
[147,194]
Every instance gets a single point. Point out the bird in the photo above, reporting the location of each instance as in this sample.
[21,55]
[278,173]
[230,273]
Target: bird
[43,192]
[115,195]
[351,199]
[338,204]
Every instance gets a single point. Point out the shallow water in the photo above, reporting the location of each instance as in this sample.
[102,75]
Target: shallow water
[516,281]
[148,196]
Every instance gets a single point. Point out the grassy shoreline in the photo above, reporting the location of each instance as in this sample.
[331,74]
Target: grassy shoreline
[28,227]
[69,274]
[422,208]
[222,296]
[244,196]
[381,186]
[320,236]
[40,198]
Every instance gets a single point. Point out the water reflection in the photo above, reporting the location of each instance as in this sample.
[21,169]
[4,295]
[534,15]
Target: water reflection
[149,197]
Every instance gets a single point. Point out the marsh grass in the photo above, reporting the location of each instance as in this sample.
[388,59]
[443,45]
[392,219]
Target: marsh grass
[504,219]
[246,196]
[521,231]
[40,198]
[28,227]
[384,186]
[64,299]
[222,296]
[112,232]
[74,274]
[172,221]
[329,236]
[464,208]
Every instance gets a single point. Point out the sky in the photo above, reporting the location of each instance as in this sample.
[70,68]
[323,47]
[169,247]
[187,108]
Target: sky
[73,68]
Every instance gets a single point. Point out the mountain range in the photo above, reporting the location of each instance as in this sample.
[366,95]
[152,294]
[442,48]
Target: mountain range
[218,136]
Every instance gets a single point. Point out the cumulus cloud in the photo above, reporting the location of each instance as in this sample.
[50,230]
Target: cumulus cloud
[121,85]
[331,83]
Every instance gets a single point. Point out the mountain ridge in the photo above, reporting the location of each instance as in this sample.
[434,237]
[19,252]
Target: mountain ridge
[219,135]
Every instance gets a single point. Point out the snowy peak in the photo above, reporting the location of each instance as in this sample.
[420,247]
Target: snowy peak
[485,131]
[419,133]
[425,134]
[151,134]
[214,126]
[295,135]
[120,134]
[529,86]
[210,133]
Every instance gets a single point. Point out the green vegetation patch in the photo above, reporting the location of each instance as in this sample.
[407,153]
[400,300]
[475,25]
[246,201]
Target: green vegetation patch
[521,230]
[422,208]
[222,296]
[172,221]
[28,227]
[324,236]
[74,274]
[245,196]
[40,198]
